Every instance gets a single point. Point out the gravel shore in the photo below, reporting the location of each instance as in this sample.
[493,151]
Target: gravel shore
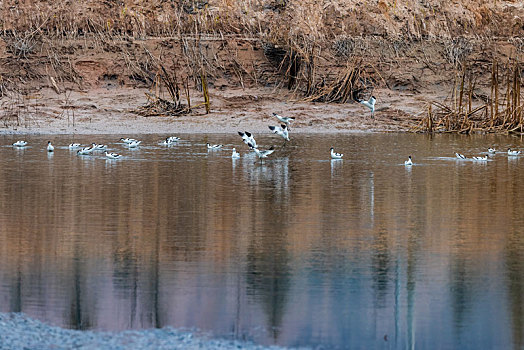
[18,331]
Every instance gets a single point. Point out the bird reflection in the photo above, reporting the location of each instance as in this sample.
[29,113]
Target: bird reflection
[336,166]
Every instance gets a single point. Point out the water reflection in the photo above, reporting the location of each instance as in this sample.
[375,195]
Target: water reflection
[291,251]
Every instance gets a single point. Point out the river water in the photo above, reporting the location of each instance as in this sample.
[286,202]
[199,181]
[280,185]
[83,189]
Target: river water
[298,250]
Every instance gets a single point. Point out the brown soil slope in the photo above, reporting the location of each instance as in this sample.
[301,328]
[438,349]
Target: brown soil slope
[62,60]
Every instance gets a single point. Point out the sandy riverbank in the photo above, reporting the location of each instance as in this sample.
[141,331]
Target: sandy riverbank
[110,111]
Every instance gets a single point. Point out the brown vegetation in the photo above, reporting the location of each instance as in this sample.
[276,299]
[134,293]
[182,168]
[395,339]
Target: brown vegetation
[327,51]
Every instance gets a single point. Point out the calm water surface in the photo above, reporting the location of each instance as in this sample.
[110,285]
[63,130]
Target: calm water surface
[298,251]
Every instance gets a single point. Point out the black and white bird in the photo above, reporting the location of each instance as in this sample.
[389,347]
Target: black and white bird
[285,120]
[112,155]
[409,161]
[74,145]
[513,153]
[85,150]
[492,150]
[127,140]
[263,154]
[369,104]
[460,156]
[20,143]
[213,147]
[98,147]
[248,138]
[480,158]
[50,147]
[335,155]
[134,144]
[281,130]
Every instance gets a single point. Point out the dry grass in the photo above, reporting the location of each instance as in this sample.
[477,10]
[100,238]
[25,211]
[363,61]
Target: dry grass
[502,111]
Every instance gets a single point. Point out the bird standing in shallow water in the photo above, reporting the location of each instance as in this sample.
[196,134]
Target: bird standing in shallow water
[20,143]
[481,158]
[262,154]
[213,147]
[513,153]
[50,147]
[112,155]
[235,154]
[409,161]
[335,155]
[369,104]
[460,156]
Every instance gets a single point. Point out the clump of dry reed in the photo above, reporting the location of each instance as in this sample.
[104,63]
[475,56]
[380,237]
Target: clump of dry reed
[502,111]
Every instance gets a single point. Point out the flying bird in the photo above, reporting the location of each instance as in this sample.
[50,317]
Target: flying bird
[369,104]
[281,130]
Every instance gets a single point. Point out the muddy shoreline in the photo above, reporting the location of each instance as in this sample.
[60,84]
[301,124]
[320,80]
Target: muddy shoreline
[111,111]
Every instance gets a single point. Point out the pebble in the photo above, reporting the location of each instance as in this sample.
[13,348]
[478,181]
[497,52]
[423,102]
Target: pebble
[18,331]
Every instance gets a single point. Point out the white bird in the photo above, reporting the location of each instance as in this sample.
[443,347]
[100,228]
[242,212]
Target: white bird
[281,130]
[127,140]
[74,145]
[492,150]
[285,120]
[513,153]
[248,138]
[335,155]
[20,143]
[213,147]
[263,154]
[112,155]
[173,139]
[481,158]
[85,150]
[460,156]
[235,154]
[50,147]
[134,144]
[409,161]
[369,104]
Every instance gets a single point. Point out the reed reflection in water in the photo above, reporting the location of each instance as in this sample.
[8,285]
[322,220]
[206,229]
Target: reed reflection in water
[299,250]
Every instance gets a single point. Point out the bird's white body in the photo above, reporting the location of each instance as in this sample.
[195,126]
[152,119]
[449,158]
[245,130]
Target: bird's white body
[480,158]
[235,154]
[281,130]
[492,150]
[20,143]
[50,147]
[112,155]
[460,156]
[213,147]
[127,140]
[74,145]
[85,150]
[409,161]
[98,147]
[285,120]
[134,144]
[335,155]
[369,104]
[172,139]
[513,153]
[248,138]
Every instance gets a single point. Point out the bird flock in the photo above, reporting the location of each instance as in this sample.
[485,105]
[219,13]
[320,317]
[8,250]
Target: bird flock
[248,138]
